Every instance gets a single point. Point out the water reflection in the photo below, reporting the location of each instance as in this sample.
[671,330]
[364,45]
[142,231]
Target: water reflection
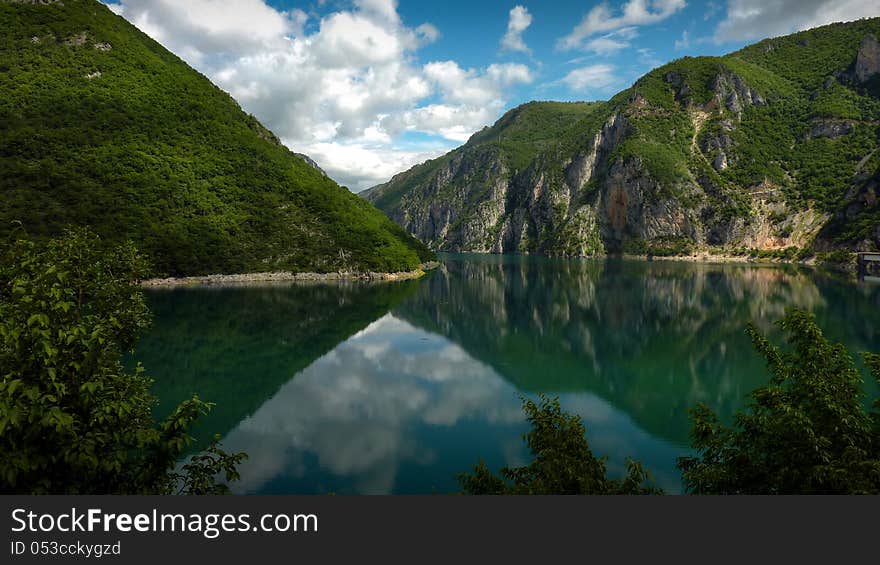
[653,339]
[396,409]
[354,417]
[396,388]
[236,346]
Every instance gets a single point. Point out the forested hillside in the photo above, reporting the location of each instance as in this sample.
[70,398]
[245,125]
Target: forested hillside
[102,126]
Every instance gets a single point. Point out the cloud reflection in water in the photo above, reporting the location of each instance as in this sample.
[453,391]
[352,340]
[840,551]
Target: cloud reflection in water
[396,409]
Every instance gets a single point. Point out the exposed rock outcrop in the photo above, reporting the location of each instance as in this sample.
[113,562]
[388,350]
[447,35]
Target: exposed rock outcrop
[831,129]
[77,40]
[310,162]
[733,94]
[868,59]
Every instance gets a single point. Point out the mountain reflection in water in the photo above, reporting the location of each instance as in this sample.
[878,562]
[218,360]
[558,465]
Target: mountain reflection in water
[396,388]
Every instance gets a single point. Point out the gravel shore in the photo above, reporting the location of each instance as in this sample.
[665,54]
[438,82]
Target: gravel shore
[246,278]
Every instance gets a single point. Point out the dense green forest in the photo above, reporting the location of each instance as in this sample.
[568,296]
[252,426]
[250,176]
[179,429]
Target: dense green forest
[102,126]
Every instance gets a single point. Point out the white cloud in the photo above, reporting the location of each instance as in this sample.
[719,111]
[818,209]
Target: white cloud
[756,19]
[340,92]
[428,33]
[518,21]
[601,19]
[593,77]
[362,164]
[208,26]
[683,43]
[453,122]
[351,40]
[613,42]
[472,87]
[711,10]
[381,10]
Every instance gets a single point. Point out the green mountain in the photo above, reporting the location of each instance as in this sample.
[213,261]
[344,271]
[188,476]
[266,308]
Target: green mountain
[773,147]
[102,126]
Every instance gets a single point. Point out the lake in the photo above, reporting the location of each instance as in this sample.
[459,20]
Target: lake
[396,387]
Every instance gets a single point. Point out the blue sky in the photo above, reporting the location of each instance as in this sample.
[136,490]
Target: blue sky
[369,88]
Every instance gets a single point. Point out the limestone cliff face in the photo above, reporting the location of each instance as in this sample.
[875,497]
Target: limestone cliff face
[703,153]
[868,61]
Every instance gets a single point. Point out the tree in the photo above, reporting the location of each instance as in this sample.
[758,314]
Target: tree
[806,432]
[562,462]
[72,420]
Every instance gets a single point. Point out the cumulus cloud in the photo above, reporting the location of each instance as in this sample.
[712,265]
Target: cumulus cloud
[518,21]
[340,91]
[756,19]
[592,77]
[473,87]
[196,28]
[362,164]
[602,19]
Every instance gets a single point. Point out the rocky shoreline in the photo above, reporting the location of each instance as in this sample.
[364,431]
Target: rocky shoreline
[277,277]
[721,258]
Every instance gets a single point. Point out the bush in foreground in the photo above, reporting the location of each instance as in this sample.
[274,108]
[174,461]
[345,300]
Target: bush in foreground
[72,420]
[562,462]
[806,432]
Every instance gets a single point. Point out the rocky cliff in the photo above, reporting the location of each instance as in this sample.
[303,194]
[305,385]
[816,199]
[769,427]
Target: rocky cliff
[770,148]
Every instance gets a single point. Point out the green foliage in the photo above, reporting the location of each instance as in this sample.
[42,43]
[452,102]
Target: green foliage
[806,58]
[562,462]
[531,129]
[806,432]
[859,227]
[199,474]
[790,253]
[72,421]
[669,247]
[659,247]
[151,151]
[839,257]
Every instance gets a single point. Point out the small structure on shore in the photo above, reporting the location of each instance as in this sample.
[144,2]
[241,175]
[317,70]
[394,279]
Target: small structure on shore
[868,264]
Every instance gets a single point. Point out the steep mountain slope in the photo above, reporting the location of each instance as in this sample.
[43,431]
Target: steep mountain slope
[772,147]
[101,126]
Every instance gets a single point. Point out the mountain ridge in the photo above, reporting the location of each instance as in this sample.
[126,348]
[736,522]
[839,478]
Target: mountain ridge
[771,148]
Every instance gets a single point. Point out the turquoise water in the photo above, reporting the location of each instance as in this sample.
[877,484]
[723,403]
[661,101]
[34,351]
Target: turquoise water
[397,387]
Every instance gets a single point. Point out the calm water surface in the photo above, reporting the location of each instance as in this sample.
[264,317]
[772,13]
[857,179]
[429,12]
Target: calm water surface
[397,387]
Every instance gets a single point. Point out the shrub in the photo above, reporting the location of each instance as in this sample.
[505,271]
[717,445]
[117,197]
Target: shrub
[72,421]
[562,462]
[806,432]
